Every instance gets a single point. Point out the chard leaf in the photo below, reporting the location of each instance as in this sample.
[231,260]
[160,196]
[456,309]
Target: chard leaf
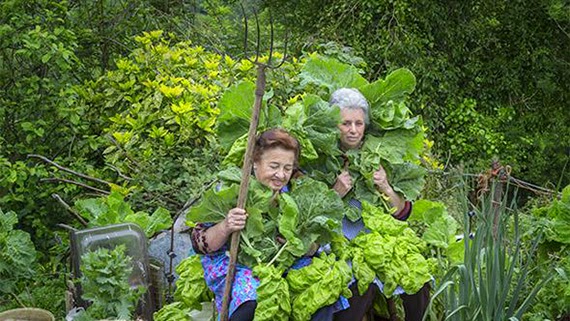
[321,125]
[288,226]
[214,206]
[362,272]
[235,107]
[386,98]
[330,74]
[392,250]
[320,210]
[236,153]
[408,179]
[395,147]
[317,285]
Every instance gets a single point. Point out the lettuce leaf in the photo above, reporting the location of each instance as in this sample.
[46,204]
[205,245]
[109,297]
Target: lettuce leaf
[273,301]
[191,287]
[393,251]
[319,284]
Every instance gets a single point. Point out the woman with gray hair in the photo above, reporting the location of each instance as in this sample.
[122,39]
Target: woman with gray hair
[354,111]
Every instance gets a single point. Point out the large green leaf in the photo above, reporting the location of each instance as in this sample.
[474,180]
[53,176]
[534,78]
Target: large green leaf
[396,86]
[214,206]
[235,107]
[409,179]
[331,74]
[440,226]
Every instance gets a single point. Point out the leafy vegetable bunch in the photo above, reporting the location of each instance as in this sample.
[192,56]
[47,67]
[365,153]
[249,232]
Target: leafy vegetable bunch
[319,284]
[393,138]
[309,213]
[105,283]
[191,292]
[390,251]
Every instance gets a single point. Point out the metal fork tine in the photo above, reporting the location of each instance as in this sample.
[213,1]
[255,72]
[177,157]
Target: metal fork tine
[258,36]
[246,31]
[284,52]
[271,39]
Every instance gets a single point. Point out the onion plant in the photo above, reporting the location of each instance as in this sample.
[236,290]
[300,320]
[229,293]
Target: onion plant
[491,283]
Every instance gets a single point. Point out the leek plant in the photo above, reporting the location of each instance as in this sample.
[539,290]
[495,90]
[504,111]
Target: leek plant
[491,283]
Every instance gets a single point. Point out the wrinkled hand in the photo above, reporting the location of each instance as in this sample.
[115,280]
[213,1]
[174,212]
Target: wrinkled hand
[381,180]
[343,183]
[235,220]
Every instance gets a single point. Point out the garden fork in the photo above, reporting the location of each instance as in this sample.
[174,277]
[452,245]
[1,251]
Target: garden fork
[248,161]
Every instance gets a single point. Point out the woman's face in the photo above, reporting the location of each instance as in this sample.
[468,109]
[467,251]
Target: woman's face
[351,128]
[274,168]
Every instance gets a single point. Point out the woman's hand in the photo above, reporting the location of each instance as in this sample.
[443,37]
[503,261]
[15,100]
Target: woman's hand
[381,180]
[343,184]
[235,220]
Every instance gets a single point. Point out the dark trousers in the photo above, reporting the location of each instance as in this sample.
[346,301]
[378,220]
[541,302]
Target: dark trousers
[244,312]
[415,305]
[359,304]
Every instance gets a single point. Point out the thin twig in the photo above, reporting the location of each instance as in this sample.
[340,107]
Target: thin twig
[67,227]
[118,171]
[18,300]
[65,169]
[69,181]
[72,211]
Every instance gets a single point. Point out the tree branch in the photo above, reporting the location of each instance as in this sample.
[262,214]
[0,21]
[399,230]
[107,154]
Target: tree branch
[121,175]
[64,180]
[72,211]
[65,169]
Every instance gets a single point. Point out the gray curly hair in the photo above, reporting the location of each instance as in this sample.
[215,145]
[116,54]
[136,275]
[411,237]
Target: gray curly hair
[350,98]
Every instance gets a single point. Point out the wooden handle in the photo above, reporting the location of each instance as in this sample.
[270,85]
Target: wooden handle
[245,173]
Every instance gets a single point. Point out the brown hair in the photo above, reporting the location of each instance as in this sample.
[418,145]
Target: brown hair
[273,138]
